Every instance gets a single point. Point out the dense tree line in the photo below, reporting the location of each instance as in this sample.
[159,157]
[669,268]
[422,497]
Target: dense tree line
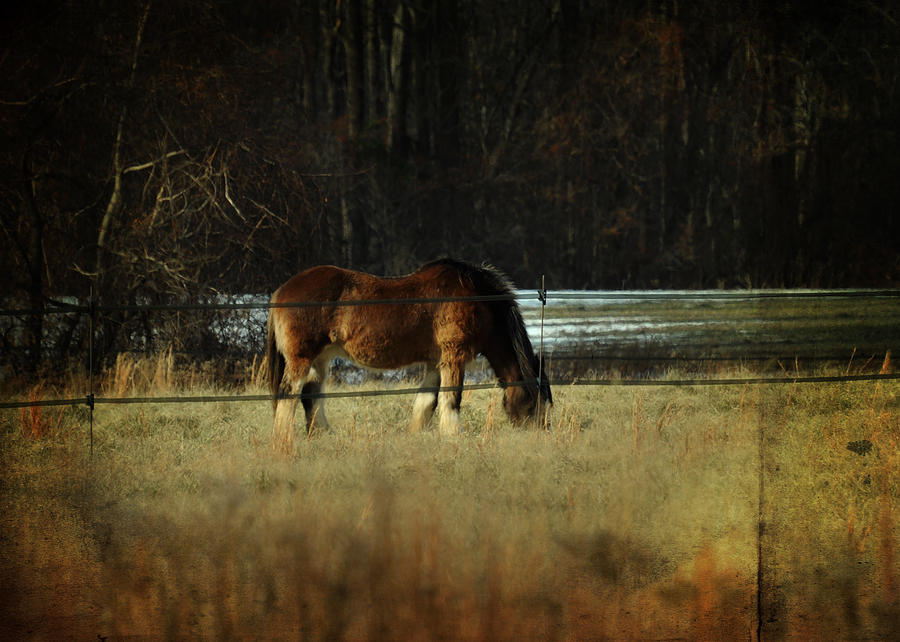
[162,151]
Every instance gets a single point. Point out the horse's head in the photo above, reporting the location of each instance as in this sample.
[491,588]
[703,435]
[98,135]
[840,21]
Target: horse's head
[520,399]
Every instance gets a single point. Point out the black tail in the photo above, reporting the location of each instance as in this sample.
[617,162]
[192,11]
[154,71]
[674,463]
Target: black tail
[274,359]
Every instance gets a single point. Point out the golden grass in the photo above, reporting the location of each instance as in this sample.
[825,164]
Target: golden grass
[636,517]
[133,374]
[36,422]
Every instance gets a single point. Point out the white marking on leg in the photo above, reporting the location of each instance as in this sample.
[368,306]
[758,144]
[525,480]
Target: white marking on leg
[285,410]
[425,401]
[451,424]
[449,399]
[317,374]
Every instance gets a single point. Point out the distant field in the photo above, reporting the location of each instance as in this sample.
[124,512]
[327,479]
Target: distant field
[637,516]
[631,330]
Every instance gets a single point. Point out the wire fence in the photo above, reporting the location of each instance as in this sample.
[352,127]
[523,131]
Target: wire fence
[763,586]
[541,297]
[55,306]
[91,401]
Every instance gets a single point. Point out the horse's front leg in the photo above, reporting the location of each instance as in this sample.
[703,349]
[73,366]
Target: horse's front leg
[450,395]
[426,399]
[313,407]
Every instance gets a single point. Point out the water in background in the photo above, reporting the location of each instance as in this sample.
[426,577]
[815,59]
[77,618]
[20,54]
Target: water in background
[643,333]
[584,332]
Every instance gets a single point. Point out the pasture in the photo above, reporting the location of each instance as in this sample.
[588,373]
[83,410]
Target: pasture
[637,516]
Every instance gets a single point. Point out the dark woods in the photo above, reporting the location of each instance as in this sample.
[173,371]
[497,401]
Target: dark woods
[170,151]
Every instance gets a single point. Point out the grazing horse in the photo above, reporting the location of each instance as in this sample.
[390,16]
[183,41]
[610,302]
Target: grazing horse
[476,314]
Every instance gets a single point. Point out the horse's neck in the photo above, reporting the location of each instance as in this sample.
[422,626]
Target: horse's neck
[508,372]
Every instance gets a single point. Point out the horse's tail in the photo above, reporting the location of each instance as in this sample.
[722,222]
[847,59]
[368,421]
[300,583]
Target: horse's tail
[274,358]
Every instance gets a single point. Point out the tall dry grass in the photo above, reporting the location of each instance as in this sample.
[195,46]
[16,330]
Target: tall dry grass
[36,421]
[635,517]
[134,374]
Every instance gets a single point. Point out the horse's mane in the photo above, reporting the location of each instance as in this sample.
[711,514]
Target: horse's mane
[489,280]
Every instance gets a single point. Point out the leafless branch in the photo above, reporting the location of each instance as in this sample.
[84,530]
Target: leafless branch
[228,196]
[149,164]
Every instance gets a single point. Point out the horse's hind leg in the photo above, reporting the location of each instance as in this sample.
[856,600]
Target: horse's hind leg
[295,375]
[426,399]
[315,406]
[310,403]
[284,423]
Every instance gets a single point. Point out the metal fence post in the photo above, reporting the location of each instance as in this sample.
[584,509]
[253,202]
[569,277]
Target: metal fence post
[92,309]
[542,295]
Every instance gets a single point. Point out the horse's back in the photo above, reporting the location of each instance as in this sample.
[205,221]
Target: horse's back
[441,278]
[319,283]
[385,335]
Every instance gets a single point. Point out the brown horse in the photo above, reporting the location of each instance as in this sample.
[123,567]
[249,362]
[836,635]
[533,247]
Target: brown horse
[358,321]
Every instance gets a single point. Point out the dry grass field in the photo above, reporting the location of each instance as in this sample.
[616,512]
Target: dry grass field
[637,517]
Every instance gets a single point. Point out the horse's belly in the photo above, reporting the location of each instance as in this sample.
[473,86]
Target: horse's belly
[385,341]
[382,356]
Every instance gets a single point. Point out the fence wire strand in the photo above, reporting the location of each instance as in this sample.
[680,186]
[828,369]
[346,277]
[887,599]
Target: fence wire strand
[61,307]
[386,392]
